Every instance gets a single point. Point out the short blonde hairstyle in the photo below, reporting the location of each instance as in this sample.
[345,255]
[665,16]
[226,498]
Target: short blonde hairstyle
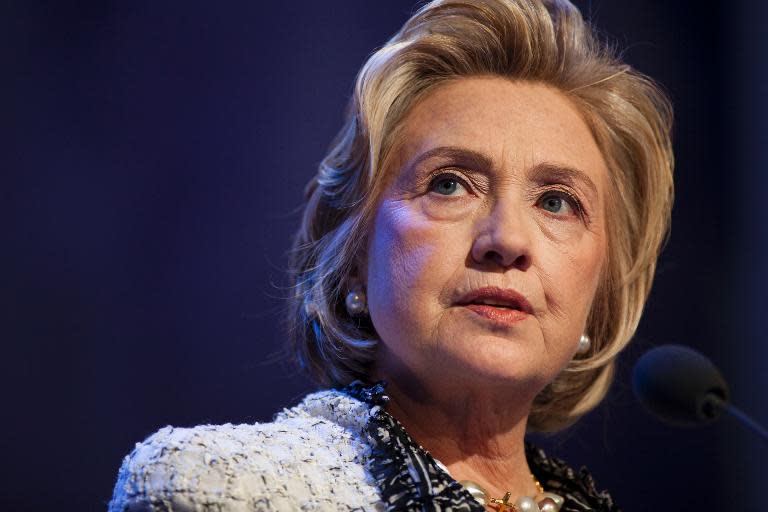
[546,42]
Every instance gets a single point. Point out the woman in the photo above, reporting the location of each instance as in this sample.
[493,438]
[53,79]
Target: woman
[475,251]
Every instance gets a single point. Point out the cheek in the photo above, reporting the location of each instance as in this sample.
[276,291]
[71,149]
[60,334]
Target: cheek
[573,277]
[407,267]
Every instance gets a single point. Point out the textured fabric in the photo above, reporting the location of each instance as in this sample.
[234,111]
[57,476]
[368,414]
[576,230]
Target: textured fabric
[578,488]
[312,457]
[409,478]
[337,450]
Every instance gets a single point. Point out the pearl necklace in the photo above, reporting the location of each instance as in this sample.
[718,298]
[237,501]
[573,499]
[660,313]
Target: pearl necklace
[543,502]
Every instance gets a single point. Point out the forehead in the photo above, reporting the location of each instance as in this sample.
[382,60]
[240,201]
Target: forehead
[516,124]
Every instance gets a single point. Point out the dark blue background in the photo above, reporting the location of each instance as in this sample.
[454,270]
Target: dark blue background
[152,165]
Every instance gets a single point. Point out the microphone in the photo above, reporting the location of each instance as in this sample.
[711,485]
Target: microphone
[683,388]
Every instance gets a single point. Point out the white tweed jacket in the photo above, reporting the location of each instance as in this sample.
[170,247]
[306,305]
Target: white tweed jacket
[312,457]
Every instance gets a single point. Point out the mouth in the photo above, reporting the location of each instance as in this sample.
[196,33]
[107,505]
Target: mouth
[504,298]
[499,305]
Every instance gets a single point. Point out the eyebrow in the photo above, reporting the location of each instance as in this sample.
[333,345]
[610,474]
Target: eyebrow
[544,172]
[463,156]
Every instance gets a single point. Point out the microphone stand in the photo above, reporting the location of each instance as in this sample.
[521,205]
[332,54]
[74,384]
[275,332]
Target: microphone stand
[714,405]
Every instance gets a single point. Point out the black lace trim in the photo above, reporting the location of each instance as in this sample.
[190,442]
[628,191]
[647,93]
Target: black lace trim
[410,480]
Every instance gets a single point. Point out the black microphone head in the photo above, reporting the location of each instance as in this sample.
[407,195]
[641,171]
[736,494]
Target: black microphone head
[679,385]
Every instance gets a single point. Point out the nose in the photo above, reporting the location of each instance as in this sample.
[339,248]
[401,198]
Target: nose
[503,239]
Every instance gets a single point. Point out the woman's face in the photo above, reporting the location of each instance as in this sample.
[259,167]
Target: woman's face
[489,240]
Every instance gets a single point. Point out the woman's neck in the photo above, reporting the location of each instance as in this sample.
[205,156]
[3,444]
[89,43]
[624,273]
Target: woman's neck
[476,435]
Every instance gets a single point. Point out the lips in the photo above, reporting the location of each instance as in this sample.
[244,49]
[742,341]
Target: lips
[500,305]
[499,298]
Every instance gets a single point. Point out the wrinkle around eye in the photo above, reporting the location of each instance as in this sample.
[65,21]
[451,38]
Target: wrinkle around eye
[474,182]
[575,209]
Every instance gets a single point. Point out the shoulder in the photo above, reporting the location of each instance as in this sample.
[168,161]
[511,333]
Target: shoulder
[313,456]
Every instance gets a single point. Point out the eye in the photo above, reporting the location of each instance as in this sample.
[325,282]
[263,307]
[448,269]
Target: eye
[560,203]
[553,203]
[448,185]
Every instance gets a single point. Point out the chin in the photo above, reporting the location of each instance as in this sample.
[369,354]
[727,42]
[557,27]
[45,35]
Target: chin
[495,362]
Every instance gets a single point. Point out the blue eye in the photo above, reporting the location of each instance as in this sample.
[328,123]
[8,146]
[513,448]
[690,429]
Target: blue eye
[552,204]
[560,203]
[447,185]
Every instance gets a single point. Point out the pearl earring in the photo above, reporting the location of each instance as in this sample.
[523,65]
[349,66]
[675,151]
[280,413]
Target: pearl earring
[355,302]
[584,344]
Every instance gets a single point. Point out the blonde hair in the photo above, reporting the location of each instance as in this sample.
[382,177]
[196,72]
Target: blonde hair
[540,41]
